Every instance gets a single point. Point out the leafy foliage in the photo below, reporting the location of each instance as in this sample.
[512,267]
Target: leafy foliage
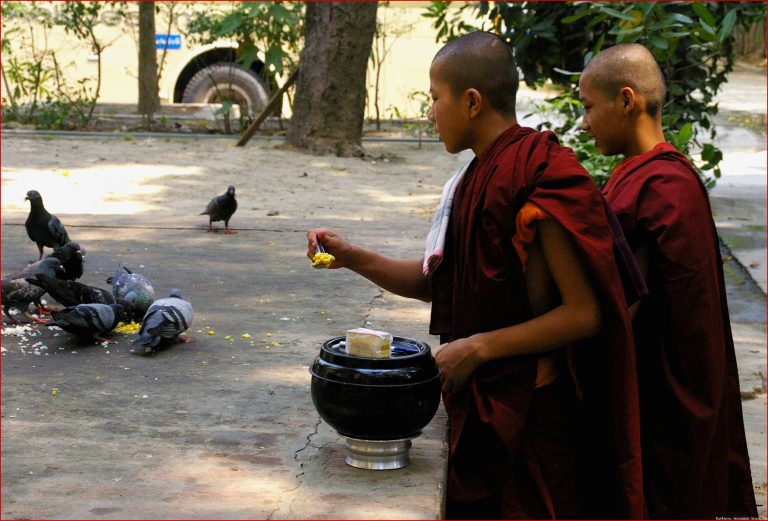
[692,41]
[39,93]
[273,28]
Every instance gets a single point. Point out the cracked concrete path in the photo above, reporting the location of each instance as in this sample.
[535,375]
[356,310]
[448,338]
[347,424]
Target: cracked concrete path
[218,428]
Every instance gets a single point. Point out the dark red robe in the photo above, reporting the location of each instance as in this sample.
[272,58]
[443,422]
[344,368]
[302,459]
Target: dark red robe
[480,287]
[695,457]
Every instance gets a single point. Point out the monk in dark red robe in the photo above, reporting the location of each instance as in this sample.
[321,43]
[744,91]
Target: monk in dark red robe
[504,435]
[538,369]
[695,459]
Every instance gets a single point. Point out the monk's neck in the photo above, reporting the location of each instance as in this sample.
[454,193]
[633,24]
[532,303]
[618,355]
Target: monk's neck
[648,134]
[490,132]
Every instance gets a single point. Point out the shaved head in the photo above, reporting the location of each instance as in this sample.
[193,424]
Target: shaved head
[481,61]
[628,65]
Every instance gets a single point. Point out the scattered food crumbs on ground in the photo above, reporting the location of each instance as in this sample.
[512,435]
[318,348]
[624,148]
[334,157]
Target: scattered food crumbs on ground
[211,333]
[54,392]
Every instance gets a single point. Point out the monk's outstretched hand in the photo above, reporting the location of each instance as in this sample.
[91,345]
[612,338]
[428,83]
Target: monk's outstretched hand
[457,361]
[332,243]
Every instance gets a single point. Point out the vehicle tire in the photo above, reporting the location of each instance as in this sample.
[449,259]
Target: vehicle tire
[227,81]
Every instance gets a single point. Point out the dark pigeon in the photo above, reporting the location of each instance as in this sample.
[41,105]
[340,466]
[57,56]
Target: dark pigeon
[70,293]
[165,320]
[71,257]
[88,321]
[133,291]
[19,294]
[221,208]
[42,227]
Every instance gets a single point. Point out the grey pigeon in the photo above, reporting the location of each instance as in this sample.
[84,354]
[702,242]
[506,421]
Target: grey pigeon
[165,320]
[221,208]
[50,266]
[42,227]
[19,294]
[133,291]
[71,257]
[88,320]
[71,293]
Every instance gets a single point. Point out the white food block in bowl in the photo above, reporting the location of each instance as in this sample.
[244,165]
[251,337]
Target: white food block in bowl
[368,343]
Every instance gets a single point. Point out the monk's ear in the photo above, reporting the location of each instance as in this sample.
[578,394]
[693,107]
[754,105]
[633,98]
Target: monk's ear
[629,99]
[474,101]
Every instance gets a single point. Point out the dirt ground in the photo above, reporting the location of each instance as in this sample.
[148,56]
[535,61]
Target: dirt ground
[222,428]
[170,180]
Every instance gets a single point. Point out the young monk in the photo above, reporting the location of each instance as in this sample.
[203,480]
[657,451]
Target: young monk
[695,461]
[521,275]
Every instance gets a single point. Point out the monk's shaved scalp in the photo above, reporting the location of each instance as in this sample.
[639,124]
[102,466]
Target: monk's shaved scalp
[481,61]
[628,65]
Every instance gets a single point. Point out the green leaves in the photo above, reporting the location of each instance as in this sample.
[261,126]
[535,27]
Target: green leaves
[553,41]
[274,28]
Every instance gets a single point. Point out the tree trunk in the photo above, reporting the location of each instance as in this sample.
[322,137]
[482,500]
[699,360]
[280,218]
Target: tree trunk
[329,105]
[149,99]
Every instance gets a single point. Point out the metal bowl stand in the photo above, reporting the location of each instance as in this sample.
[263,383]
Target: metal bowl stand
[378,454]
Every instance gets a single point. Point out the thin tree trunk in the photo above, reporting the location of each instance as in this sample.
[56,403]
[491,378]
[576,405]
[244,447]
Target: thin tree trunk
[149,99]
[329,105]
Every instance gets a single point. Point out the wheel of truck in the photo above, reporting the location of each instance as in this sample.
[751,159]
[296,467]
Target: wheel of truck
[226,81]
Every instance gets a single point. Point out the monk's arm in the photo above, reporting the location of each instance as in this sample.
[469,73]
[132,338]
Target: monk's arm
[400,276]
[577,317]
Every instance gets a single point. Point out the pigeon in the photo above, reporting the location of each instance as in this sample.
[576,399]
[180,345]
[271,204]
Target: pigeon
[50,266]
[71,257]
[221,208]
[43,228]
[88,320]
[18,293]
[166,318]
[71,293]
[132,290]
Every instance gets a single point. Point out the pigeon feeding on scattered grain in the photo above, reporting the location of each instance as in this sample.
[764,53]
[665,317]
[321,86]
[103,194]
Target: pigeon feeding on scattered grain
[71,257]
[42,227]
[88,321]
[221,208]
[70,293]
[18,293]
[133,291]
[165,320]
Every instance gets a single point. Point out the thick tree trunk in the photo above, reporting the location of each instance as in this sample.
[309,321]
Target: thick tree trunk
[149,100]
[329,106]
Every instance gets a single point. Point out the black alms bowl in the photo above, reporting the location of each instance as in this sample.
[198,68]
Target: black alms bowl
[376,398]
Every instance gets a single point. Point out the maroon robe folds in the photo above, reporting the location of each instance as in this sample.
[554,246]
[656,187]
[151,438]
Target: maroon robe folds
[480,287]
[695,457]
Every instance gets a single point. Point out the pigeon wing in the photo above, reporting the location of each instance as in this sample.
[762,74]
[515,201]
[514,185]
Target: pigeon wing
[61,291]
[57,230]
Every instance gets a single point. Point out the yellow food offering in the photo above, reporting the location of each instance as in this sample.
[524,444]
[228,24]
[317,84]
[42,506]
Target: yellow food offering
[211,332]
[128,329]
[322,260]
